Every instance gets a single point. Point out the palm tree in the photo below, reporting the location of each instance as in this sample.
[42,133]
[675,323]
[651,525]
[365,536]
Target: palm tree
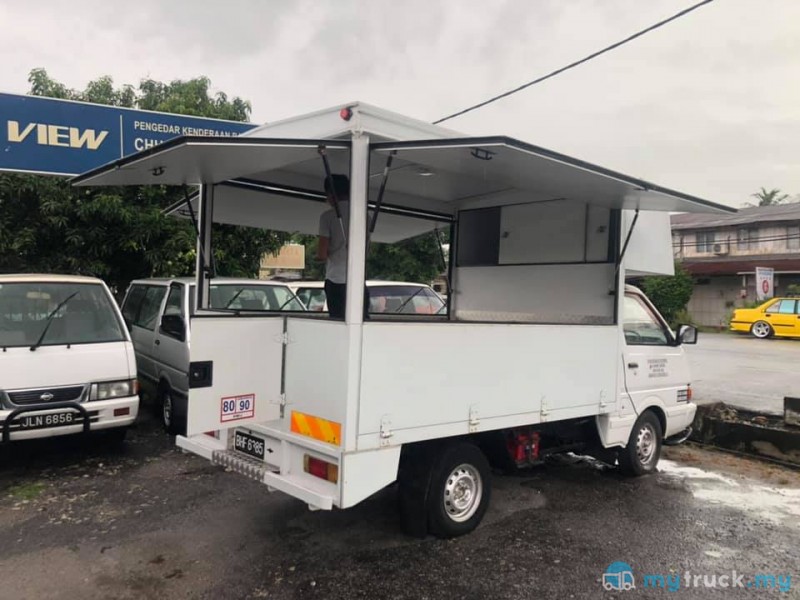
[768,197]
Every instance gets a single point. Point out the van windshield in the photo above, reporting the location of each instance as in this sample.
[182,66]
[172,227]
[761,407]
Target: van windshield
[233,296]
[64,313]
[404,299]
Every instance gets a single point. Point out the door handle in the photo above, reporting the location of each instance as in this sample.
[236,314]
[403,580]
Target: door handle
[633,365]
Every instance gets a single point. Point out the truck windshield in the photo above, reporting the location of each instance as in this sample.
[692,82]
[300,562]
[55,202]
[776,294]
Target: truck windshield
[234,296]
[52,314]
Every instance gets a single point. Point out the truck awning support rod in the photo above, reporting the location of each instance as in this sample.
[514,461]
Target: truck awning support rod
[379,201]
[193,218]
[329,178]
[627,241]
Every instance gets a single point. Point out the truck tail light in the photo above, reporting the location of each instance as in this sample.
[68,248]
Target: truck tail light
[121,412]
[689,393]
[319,468]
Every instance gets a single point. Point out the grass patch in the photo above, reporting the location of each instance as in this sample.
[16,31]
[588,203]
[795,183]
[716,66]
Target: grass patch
[26,491]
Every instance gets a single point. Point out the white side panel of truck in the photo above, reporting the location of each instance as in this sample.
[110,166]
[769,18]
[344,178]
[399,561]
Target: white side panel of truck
[246,379]
[650,248]
[425,380]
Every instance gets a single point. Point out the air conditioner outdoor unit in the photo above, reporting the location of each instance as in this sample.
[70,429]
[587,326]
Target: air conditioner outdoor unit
[720,249]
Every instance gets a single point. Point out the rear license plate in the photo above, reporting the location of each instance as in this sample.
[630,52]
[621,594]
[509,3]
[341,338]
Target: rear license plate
[248,444]
[49,420]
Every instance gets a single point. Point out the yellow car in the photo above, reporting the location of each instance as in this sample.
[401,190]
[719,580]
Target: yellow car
[778,317]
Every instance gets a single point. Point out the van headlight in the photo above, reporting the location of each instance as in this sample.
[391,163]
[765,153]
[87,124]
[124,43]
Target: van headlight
[109,390]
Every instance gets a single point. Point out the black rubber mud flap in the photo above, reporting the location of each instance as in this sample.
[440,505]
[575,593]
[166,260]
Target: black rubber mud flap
[414,479]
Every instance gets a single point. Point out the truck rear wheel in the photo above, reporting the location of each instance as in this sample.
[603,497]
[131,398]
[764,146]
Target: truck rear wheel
[641,455]
[460,489]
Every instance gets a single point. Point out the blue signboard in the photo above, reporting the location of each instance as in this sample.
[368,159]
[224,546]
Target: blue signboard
[61,137]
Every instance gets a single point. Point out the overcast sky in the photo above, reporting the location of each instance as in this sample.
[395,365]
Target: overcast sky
[709,104]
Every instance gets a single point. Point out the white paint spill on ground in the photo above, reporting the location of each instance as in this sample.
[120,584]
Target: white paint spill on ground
[778,504]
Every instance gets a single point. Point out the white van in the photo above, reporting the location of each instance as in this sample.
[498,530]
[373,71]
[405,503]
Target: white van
[542,347]
[66,360]
[157,313]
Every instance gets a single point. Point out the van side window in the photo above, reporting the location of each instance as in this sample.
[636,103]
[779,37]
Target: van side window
[133,301]
[151,304]
[641,326]
[174,304]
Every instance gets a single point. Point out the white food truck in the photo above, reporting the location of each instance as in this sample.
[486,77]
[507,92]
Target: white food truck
[542,347]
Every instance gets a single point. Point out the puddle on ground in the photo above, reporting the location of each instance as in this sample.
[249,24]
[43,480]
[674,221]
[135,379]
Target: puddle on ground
[777,504]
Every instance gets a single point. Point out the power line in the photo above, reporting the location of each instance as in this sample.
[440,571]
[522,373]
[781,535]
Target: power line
[576,63]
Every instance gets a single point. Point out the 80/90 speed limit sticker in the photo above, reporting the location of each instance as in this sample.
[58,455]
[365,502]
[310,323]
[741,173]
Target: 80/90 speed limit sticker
[234,408]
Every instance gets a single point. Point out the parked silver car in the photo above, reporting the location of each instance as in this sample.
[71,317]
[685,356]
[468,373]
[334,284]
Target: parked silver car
[157,313]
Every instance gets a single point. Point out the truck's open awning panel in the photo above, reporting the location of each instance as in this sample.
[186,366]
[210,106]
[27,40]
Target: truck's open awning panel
[466,171]
[428,178]
[205,160]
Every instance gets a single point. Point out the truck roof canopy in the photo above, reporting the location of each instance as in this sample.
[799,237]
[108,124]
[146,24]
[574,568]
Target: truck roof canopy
[276,182]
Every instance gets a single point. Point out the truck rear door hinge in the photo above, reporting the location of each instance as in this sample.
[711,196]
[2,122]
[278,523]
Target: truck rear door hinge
[386,430]
[474,420]
[543,411]
[603,402]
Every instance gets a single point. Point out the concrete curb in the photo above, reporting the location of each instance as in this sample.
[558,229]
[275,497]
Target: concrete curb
[760,435]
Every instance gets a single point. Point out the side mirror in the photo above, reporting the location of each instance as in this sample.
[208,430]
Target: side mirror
[687,334]
[173,325]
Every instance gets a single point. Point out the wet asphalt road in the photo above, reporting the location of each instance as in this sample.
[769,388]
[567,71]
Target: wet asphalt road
[743,371]
[147,521]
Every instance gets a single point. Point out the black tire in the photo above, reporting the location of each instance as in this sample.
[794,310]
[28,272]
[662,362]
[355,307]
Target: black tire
[460,469]
[641,455]
[171,419]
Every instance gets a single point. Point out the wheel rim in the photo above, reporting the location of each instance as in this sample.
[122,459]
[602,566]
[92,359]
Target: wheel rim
[646,444]
[761,329]
[166,409]
[463,491]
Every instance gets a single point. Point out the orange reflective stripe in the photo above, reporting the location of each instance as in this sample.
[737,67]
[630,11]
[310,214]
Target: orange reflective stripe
[316,427]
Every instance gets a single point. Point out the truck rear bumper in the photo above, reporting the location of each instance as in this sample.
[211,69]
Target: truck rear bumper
[284,472]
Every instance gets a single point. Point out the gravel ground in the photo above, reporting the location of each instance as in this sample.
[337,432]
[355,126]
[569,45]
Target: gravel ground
[146,521]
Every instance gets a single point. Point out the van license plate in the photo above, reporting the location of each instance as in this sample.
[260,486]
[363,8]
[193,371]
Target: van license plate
[248,444]
[50,420]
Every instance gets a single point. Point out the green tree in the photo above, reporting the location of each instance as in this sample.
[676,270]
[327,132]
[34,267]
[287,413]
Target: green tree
[767,197]
[417,259]
[119,234]
[669,294]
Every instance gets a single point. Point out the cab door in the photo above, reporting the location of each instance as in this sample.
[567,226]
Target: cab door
[782,316]
[171,343]
[655,369]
